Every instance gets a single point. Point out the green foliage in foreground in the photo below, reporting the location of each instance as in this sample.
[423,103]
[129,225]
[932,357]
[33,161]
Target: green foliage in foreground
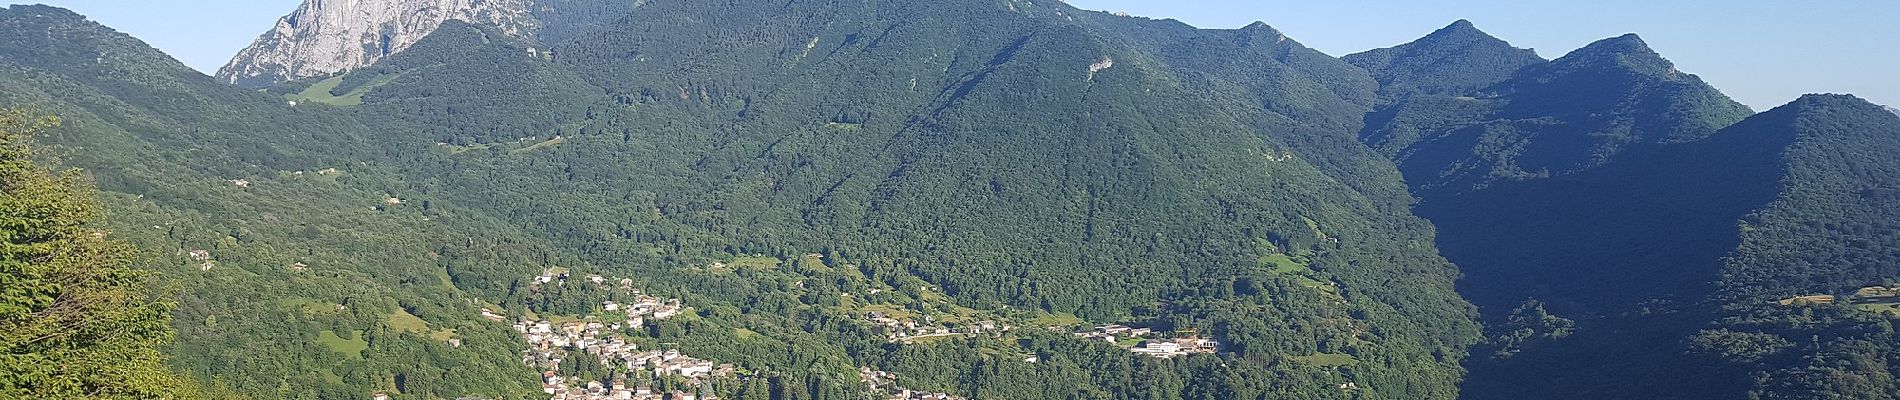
[75,319]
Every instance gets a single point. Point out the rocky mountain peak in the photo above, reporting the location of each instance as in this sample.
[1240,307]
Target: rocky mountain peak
[324,37]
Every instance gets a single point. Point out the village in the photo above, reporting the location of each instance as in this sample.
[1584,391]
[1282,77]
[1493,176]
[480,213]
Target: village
[550,343]
[1150,343]
[909,330]
[885,383]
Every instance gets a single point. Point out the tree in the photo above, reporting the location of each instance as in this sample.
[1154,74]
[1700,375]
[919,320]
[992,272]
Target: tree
[1527,325]
[74,322]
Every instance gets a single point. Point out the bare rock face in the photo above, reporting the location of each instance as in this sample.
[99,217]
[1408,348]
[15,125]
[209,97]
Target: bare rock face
[324,37]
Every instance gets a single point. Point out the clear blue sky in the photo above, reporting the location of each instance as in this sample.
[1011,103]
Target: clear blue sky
[1762,52]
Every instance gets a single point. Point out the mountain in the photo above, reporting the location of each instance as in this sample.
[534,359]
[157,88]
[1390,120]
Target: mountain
[1893,110]
[786,173]
[1690,250]
[1550,119]
[1833,171]
[1832,230]
[1628,250]
[266,225]
[1593,204]
[989,199]
[1455,60]
[324,37]
[873,136]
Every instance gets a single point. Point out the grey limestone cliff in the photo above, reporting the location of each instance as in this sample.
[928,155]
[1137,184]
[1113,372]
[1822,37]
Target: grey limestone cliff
[324,37]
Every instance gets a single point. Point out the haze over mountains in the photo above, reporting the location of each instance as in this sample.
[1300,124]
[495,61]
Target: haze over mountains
[958,193]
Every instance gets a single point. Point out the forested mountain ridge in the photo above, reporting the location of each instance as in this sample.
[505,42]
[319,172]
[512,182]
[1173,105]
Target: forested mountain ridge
[1549,119]
[1649,272]
[1755,225]
[1831,228]
[261,216]
[915,110]
[664,150]
[1455,60]
[1628,250]
[1029,57]
[850,199]
[1808,300]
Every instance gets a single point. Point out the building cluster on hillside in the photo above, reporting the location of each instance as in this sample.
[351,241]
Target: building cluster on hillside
[643,308]
[885,384]
[549,343]
[1878,292]
[203,256]
[1865,295]
[1151,344]
[909,329]
[1114,333]
[618,390]
[1167,348]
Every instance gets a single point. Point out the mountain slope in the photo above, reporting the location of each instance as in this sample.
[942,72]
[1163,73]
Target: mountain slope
[1836,171]
[891,139]
[1786,203]
[1571,114]
[1831,230]
[875,136]
[1606,187]
[1628,250]
[1455,60]
[324,37]
[189,165]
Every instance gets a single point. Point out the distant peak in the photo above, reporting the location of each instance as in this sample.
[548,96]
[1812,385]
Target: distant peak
[1833,99]
[1829,96]
[1627,43]
[1460,31]
[1627,50]
[45,11]
[1261,33]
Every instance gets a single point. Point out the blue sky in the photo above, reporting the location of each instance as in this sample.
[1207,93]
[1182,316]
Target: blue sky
[1762,52]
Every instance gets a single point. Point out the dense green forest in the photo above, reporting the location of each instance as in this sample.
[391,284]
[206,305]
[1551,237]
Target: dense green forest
[1545,119]
[793,171]
[660,149]
[1831,230]
[1626,237]
[1455,60]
